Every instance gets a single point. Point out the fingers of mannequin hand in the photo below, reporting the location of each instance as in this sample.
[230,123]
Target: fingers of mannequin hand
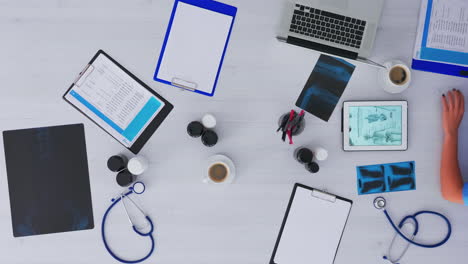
[451,100]
[457,96]
[444,103]
[459,108]
[462,101]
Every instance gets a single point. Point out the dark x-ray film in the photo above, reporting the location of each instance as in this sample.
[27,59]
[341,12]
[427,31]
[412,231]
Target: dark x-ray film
[48,180]
[325,85]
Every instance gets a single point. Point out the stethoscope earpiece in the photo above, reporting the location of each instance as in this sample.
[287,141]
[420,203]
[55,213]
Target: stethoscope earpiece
[386,258]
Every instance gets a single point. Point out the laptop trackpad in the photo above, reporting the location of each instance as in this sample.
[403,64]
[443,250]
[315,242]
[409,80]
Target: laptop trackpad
[341,4]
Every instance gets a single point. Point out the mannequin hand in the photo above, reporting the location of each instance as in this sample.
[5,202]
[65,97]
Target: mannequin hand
[453,105]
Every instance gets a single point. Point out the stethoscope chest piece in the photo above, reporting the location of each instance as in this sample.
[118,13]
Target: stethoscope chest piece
[380,203]
[138,187]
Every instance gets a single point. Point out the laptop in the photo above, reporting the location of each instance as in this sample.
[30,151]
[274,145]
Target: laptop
[345,28]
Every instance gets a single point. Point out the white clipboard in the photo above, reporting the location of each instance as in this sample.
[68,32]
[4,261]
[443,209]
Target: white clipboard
[195,44]
[312,227]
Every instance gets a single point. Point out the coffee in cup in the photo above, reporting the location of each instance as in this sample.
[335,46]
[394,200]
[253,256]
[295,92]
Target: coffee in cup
[218,172]
[395,76]
[398,75]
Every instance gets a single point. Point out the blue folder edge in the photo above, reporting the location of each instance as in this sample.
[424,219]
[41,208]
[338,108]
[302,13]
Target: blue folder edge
[209,5]
[437,67]
[426,62]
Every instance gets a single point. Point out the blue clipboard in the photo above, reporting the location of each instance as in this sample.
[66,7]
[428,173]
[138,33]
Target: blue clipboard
[437,60]
[211,74]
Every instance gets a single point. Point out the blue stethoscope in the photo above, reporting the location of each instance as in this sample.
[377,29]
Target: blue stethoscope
[137,188]
[380,204]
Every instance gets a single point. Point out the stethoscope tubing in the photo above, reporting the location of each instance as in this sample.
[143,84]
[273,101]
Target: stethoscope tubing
[149,234]
[413,217]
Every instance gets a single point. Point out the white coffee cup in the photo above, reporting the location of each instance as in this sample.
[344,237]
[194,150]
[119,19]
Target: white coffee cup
[219,170]
[137,165]
[396,76]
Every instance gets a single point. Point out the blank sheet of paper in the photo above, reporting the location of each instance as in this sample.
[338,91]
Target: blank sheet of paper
[313,230]
[195,46]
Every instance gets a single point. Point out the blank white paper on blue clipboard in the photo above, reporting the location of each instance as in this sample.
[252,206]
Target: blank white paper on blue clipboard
[195,44]
[312,228]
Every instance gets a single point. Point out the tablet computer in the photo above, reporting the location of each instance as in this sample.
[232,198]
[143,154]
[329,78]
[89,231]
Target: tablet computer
[118,102]
[375,125]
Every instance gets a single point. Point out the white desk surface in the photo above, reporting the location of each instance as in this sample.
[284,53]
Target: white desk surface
[44,44]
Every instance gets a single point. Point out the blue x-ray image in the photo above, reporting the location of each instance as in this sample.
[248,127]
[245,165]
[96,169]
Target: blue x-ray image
[391,177]
[325,86]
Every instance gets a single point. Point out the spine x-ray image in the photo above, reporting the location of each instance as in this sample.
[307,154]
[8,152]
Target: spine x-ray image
[325,86]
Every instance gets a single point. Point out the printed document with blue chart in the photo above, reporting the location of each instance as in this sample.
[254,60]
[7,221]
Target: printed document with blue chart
[114,100]
[443,32]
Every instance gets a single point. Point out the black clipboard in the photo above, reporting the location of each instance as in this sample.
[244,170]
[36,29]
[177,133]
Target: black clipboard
[154,123]
[293,194]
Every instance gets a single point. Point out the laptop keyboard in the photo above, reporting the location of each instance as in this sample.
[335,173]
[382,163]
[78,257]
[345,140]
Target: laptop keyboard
[328,26]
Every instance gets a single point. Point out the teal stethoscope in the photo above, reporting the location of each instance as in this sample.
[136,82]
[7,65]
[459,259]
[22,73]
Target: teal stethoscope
[380,204]
[137,188]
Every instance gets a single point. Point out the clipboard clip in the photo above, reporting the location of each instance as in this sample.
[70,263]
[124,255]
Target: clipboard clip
[323,195]
[186,85]
[79,79]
